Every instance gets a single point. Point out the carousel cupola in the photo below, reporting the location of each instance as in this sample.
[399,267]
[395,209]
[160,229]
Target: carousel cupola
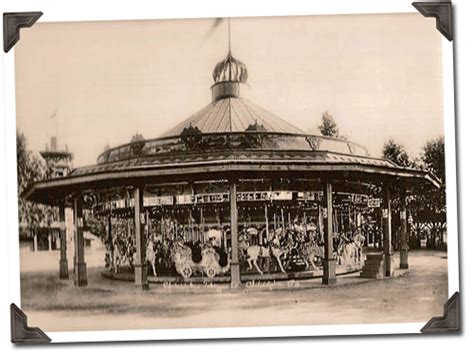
[228,75]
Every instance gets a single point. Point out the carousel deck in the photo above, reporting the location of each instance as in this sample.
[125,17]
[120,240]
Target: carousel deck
[250,277]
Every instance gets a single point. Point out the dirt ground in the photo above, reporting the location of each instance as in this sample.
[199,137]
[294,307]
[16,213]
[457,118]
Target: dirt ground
[415,295]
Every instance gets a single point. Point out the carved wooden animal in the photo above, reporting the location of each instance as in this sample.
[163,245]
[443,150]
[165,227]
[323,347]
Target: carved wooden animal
[151,256]
[274,249]
[310,253]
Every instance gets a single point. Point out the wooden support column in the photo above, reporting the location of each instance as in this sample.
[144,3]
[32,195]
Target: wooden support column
[380,233]
[80,269]
[63,265]
[305,224]
[35,242]
[320,221]
[141,268]
[267,228]
[110,240]
[403,233]
[282,218]
[201,227]
[387,231]
[329,262]
[50,247]
[234,263]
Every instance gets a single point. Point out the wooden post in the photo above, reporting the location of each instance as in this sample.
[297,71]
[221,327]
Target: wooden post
[347,224]
[305,225]
[141,268]
[202,225]
[320,221]
[282,218]
[190,226]
[267,227]
[387,231]
[403,233]
[80,268]
[110,239]
[329,262]
[50,247]
[35,242]
[380,233]
[234,264]
[63,266]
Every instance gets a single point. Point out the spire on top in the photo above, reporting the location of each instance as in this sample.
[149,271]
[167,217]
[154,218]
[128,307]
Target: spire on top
[230,70]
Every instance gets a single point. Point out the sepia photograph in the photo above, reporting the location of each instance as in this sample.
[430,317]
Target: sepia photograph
[232,172]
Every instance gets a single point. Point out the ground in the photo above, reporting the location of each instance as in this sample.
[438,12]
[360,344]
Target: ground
[414,295]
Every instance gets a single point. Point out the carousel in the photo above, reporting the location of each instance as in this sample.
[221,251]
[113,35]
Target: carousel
[234,193]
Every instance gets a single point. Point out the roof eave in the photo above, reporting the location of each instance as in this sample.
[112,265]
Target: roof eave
[59,187]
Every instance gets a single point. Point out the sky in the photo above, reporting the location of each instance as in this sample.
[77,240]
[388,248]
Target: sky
[98,83]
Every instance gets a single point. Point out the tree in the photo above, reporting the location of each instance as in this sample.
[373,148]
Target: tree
[433,157]
[434,161]
[30,168]
[396,153]
[328,126]
[428,206]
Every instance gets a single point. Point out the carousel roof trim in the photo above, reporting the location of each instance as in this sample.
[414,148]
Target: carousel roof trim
[233,161]
[351,148]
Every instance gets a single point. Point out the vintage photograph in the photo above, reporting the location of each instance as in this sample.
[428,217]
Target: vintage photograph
[231,172]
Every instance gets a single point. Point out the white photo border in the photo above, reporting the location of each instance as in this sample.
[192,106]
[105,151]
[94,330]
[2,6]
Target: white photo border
[61,11]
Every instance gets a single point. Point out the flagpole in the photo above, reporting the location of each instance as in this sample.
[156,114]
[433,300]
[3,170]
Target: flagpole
[230,70]
[228,34]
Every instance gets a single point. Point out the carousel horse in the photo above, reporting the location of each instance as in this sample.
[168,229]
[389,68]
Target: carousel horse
[349,250]
[253,234]
[122,254]
[216,237]
[275,249]
[307,247]
[359,240]
[117,261]
[310,252]
[151,256]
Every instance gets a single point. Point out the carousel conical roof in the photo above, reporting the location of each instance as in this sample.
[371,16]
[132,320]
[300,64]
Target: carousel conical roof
[228,111]
[232,114]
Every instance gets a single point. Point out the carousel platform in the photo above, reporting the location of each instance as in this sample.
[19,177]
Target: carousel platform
[245,277]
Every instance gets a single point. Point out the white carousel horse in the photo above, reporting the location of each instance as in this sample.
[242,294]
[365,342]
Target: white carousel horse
[350,250]
[298,227]
[359,241]
[151,256]
[117,261]
[311,227]
[274,249]
[215,236]
[252,232]
[346,252]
